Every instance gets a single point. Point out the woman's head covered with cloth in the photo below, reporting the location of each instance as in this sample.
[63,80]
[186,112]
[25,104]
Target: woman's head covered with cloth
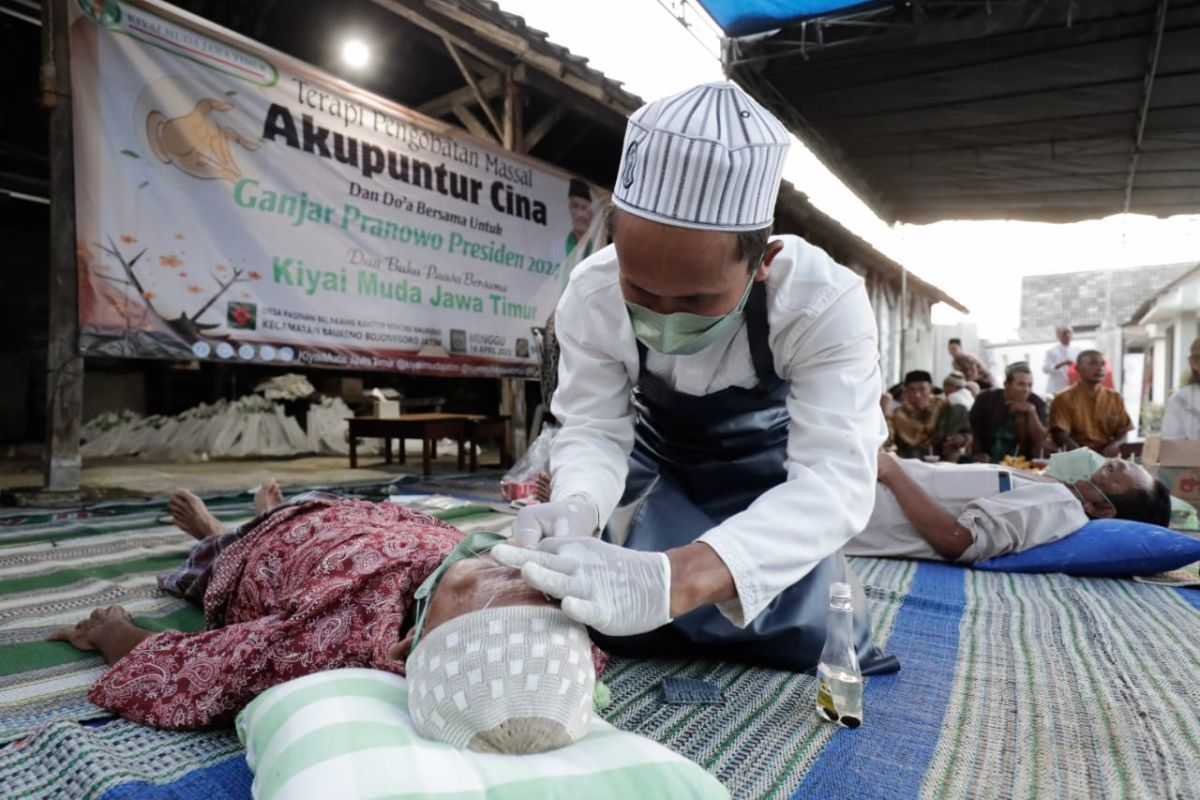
[493,665]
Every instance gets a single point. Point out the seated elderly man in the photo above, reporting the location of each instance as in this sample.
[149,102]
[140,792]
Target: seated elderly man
[971,512]
[1089,414]
[927,425]
[1010,421]
[321,583]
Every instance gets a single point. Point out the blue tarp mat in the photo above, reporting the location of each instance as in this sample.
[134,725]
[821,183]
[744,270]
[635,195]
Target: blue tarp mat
[744,17]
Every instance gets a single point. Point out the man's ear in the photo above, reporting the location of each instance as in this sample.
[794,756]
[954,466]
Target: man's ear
[1100,510]
[773,249]
[401,649]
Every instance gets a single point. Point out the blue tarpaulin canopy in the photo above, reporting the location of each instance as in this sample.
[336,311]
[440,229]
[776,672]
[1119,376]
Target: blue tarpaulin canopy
[1048,110]
[744,17]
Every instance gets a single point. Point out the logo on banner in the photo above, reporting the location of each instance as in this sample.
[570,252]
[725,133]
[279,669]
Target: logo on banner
[458,341]
[180,41]
[242,316]
[522,349]
[102,12]
[630,165]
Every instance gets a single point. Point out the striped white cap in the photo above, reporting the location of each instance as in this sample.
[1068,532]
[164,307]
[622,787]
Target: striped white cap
[709,157]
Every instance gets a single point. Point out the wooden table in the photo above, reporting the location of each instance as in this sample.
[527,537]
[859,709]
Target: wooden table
[426,427]
[488,428]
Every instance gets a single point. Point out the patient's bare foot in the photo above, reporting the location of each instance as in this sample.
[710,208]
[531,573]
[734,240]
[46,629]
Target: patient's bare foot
[267,497]
[191,515]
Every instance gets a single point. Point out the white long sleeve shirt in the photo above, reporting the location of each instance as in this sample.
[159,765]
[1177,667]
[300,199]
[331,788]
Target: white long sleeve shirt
[1181,420]
[823,338]
[1033,511]
[961,397]
[1059,378]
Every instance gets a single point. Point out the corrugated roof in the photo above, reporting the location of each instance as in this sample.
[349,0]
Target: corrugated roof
[1093,297]
[1141,311]
[1055,110]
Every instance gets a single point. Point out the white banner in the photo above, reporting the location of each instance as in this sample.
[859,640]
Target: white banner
[236,204]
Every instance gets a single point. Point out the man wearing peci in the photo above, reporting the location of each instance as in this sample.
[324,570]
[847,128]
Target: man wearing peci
[719,399]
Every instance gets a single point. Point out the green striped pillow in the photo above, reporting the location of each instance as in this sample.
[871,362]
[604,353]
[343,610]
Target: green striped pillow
[347,734]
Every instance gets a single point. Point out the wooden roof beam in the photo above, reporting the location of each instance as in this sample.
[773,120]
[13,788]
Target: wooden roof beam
[423,20]
[472,124]
[520,47]
[490,87]
[479,98]
[540,128]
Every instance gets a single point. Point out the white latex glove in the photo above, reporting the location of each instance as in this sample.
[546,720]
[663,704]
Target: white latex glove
[575,516]
[616,591]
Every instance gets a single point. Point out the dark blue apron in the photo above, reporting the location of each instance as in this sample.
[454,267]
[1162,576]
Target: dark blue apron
[698,460]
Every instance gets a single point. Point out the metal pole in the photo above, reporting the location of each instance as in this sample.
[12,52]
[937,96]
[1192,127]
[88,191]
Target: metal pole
[903,317]
[512,390]
[64,364]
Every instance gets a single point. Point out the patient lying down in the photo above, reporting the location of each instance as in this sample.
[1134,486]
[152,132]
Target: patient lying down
[971,512]
[322,583]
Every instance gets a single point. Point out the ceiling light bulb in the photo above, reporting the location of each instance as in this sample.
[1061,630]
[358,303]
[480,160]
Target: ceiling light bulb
[355,53]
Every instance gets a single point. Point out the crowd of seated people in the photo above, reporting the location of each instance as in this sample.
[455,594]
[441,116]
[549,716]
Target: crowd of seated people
[965,420]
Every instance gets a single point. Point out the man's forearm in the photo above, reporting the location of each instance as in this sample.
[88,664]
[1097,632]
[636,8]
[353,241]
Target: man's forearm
[977,448]
[1062,439]
[938,527]
[1035,433]
[1116,441]
[698,577]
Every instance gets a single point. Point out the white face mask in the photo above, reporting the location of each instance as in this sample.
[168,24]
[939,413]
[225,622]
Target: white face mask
[1076,465]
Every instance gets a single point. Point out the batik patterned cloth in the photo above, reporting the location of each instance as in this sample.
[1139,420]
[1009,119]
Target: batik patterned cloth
[190,579]
[315,586]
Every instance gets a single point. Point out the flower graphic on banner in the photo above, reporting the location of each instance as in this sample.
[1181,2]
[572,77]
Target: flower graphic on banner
[139,298]
[195,143]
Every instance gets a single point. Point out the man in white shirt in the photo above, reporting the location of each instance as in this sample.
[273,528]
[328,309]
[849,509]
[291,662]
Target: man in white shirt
[1058,361]
[1181,420]
[956,391]
[719,396]
[972,512]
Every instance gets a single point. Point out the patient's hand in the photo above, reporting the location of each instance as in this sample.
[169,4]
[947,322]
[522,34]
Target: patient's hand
[109,630]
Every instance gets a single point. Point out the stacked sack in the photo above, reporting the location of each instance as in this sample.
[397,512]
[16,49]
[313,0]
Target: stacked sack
[252,426]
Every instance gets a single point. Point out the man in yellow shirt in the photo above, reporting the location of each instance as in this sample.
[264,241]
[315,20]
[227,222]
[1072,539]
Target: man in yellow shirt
[1088,414]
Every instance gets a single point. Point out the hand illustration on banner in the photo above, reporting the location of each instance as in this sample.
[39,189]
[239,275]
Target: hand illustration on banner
[195,143]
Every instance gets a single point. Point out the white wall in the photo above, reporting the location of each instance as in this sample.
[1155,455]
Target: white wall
[1034,352]
[942,363]
[1173,330]
[1134,366]
[1185,332]
[1158,381]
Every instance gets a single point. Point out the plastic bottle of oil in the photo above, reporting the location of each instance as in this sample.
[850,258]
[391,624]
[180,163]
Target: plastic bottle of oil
[839,680]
